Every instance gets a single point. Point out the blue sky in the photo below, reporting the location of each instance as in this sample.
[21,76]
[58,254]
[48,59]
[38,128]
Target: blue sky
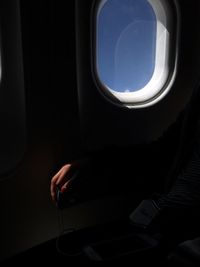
[126,37]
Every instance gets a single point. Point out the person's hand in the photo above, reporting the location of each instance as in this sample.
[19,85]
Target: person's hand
[62,179]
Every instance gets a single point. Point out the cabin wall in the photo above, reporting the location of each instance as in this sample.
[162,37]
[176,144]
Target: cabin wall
[28,216]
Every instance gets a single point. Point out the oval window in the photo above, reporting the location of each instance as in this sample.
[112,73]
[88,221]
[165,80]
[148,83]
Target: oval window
[133,63]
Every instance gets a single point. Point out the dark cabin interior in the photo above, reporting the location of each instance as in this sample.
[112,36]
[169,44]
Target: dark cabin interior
[30,222]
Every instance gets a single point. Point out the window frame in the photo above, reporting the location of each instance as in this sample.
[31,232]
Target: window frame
[143,97]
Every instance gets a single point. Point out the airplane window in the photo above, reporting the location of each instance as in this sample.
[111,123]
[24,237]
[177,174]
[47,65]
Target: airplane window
[133,38]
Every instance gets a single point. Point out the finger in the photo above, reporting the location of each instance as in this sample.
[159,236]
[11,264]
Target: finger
[56,180]
[64,175]
[55,177]
[65,187]
[53,190]
[53,193]
[68,183]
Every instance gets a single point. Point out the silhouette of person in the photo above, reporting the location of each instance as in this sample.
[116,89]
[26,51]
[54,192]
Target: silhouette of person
[180,207]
